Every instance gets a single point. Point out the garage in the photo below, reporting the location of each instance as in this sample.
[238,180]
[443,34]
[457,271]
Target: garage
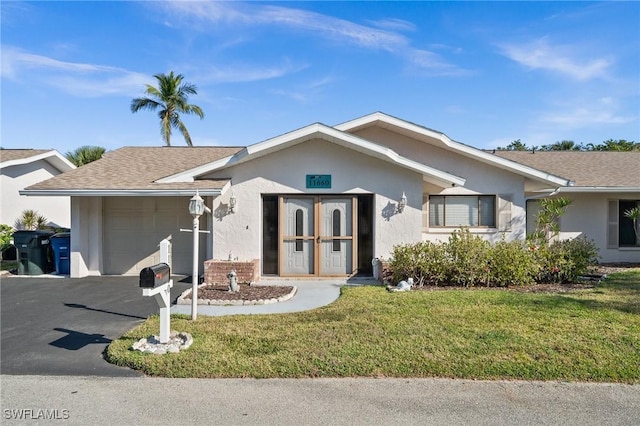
[134,226]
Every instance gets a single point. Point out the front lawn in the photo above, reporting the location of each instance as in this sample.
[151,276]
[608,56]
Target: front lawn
[586,335]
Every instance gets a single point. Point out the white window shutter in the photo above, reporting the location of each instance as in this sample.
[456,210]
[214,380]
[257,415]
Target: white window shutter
[612,224]
[425,211]
[504,212]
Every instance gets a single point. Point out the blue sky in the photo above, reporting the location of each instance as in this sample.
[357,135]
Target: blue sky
[484,73]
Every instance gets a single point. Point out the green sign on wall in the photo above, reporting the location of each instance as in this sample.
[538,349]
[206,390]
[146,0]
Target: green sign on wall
[318,181]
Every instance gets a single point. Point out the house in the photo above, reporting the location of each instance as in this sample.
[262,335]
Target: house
[319,201]
[20,168]
[606,184]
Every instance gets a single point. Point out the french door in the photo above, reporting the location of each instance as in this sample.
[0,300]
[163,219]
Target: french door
[317,235]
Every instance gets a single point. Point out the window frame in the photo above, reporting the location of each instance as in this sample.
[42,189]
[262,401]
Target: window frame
[494,198]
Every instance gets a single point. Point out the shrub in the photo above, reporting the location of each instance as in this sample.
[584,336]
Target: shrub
[512,263]
[6,232]
[469,258]
[425,262]
[566,260]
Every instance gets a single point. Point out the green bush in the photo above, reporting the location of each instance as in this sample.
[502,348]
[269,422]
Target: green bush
[6,232]
[512,263]
[468,260]
[566,260]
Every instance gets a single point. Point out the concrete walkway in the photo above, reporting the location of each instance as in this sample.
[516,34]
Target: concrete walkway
[309,295]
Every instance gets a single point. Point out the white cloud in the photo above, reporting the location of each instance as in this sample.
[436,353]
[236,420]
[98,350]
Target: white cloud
[384,38]
[563,59]
[246,73]
[80,79]
[394,24]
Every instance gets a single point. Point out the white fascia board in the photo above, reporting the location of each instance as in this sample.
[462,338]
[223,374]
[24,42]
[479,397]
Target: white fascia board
[430,174]
[599,189]
[119,192]
[320,131]
[470,151]
[53,157]
[249,152]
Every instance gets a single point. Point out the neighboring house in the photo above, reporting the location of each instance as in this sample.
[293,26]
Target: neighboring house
[606,184]
[20,168]
[319,201]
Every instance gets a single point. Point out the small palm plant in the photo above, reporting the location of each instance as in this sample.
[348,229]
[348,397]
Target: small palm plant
[634,215]
[31,220]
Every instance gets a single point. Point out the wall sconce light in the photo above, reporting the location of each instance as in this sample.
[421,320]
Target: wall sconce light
[232,203]
[402,203]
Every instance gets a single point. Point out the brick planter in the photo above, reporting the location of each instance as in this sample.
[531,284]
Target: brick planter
[215,271]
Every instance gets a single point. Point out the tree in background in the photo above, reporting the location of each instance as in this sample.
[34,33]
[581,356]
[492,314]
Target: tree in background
[567,145]
[171,97]
[85,155]
[517,145]
[31,220]
[615,145]
[562,146]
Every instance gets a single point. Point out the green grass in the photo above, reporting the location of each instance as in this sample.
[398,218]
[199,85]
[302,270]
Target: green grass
[8,265]
[587,335]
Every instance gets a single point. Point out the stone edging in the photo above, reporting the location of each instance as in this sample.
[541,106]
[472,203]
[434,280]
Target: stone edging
[183,301]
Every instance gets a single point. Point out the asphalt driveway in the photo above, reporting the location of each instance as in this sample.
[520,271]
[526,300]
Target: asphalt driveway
[61,326]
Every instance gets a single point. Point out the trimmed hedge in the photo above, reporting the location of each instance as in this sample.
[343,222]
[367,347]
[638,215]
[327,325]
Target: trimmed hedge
[468,260]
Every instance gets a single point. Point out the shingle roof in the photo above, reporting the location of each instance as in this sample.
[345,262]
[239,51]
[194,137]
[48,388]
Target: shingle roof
[137,168]
[590,168]
[19,154]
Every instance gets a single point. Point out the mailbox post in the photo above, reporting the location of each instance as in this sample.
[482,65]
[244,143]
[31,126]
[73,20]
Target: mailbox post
[156,281]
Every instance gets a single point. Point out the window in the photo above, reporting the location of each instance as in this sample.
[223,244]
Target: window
[626,235]
[462,210]
[336,229]
[299,229]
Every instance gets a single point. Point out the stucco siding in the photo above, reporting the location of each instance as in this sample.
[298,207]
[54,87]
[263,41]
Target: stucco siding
[587,216]
[15,178]
[239,234]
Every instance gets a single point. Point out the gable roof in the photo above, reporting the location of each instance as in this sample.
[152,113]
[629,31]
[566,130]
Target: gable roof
[592,171]
[15,157]
[318,131]
[134,171]
[434,137]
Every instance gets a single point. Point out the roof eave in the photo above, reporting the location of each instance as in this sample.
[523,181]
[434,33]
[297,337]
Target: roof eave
[319,131]
[470,151]
[599,189]
[121,192]
[53,157]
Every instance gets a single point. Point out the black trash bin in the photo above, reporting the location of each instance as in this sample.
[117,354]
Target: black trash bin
[60,243]
[33,252]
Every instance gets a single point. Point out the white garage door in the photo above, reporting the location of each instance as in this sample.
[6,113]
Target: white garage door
[134,226]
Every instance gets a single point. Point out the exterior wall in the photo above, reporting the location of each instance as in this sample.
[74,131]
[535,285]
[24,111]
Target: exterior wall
[587,216]
[155,218]
[481,179]
[15,178]
[239,235]
[86,236]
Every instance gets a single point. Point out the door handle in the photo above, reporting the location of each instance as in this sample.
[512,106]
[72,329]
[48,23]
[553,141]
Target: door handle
[318,240]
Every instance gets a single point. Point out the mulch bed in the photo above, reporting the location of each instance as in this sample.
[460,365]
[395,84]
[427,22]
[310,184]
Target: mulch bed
[247,292]
[264,292]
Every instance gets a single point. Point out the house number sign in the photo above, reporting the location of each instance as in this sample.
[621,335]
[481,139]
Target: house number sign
[318,181]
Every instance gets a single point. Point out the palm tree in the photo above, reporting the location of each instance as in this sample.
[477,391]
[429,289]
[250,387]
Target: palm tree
[171,97]
[31,220]
[85,155]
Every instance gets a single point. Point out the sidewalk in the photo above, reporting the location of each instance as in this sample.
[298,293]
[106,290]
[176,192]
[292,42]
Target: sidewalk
[309,295]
